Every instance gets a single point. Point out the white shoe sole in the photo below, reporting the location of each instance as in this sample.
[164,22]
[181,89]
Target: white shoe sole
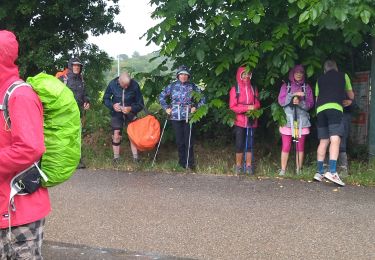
[328,177]
[318,179]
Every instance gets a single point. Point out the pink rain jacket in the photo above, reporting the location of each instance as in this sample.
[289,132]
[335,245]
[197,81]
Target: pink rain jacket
[23,144]
[248,96]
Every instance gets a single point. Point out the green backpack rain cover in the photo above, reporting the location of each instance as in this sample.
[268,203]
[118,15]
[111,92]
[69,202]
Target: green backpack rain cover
[62,128]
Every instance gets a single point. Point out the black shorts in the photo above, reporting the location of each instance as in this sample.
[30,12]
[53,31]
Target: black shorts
[119,121]
[240,134]
[329,123]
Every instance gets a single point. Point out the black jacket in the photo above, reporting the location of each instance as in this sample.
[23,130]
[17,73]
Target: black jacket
[76,84]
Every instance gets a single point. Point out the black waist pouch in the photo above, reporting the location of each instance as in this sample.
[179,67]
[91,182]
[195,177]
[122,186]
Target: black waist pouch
[27,181]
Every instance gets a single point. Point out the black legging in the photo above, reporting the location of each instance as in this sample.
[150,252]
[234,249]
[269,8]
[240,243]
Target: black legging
[182,129]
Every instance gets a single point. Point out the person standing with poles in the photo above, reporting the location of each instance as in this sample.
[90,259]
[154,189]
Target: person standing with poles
[296,98]
[243,97]
[331,90]
[181,107]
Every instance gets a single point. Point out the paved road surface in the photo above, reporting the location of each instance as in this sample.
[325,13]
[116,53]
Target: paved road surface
[207,217]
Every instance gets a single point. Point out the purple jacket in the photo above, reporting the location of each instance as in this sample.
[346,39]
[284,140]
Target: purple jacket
[306,103]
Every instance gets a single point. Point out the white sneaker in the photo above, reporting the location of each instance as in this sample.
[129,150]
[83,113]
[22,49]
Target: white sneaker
[334,177]
[318,177]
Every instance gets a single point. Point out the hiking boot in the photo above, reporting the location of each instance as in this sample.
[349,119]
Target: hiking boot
[282,172]
[238,170]
[249,170]
[136,160]
[318,177]
[334,177]
[81,165]
[192,167]
[116,162]
[343,170]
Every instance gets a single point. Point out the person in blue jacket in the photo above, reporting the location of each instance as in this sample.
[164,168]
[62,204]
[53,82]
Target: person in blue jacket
[124,99]
[182,105]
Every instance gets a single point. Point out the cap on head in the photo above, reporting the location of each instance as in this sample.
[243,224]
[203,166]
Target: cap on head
[183,70]
[76,61]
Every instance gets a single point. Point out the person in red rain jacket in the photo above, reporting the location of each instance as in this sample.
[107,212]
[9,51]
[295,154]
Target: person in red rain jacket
[240,103]
[21,145]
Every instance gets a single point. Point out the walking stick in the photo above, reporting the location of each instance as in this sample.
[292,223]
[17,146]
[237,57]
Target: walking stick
[252,149]
[246,141]
[157,149]
[296,136]
[188,151]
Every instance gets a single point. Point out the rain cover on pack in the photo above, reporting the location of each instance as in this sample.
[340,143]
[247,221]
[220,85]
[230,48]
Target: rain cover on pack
[62,128]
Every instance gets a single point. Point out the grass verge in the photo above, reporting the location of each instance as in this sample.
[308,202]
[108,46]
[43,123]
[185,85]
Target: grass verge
[211,158]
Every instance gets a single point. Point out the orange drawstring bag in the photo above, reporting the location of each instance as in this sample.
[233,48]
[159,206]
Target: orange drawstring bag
[144,132]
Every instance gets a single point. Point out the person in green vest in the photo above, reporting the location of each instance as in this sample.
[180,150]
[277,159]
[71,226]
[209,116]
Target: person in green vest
[331,90]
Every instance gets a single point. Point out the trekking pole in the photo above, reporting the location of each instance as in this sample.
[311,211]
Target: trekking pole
[188,151]
[252,149]
[157,149]
[296,136]
[246,141]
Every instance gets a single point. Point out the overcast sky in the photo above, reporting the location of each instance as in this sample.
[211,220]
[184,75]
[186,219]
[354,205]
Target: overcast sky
[135,17]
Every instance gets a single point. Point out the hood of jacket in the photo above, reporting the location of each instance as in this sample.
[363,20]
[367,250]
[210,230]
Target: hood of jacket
[297,68]
[8,55]
[242,82]
[72,61]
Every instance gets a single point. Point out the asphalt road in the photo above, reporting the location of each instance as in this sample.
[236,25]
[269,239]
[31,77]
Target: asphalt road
[116,215]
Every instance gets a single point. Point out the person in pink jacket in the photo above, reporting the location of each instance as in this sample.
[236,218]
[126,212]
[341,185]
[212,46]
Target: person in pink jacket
[21,144]
[296,98]
[243,97]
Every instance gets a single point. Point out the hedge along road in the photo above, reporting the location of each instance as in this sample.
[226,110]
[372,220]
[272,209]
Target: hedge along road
[211,217]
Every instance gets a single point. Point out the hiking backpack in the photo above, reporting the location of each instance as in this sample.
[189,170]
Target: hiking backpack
[238,93]
[62,126]
[64,74]
[289,88]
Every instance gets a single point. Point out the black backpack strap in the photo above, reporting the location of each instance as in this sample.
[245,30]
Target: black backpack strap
[237,93]
[8,93]
[288,87]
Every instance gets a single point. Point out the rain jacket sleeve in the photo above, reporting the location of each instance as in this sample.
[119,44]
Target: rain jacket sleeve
[163,96]
[233,104]
[107,98]
[138,105]
[86,98]
[284,97]
[308,101]
[27,146]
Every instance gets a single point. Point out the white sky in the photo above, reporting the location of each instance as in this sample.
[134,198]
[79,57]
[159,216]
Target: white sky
[135,16]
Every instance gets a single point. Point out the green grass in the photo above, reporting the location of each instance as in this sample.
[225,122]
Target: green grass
[211,158]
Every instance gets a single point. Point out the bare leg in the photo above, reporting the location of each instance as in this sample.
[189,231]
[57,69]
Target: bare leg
[334,147]
[322,149]
[299,163]
[284,160]
[248,159]
[116,139]
[134,150]
[239,159]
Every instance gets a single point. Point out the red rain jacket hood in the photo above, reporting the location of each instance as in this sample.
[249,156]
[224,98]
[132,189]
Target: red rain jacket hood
[248,96]
[23,143]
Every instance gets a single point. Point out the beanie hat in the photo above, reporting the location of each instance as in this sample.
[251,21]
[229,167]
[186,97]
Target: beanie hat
[183,70]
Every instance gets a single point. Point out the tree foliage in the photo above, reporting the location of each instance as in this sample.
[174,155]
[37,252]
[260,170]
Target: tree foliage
[50,32]
[214,37]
